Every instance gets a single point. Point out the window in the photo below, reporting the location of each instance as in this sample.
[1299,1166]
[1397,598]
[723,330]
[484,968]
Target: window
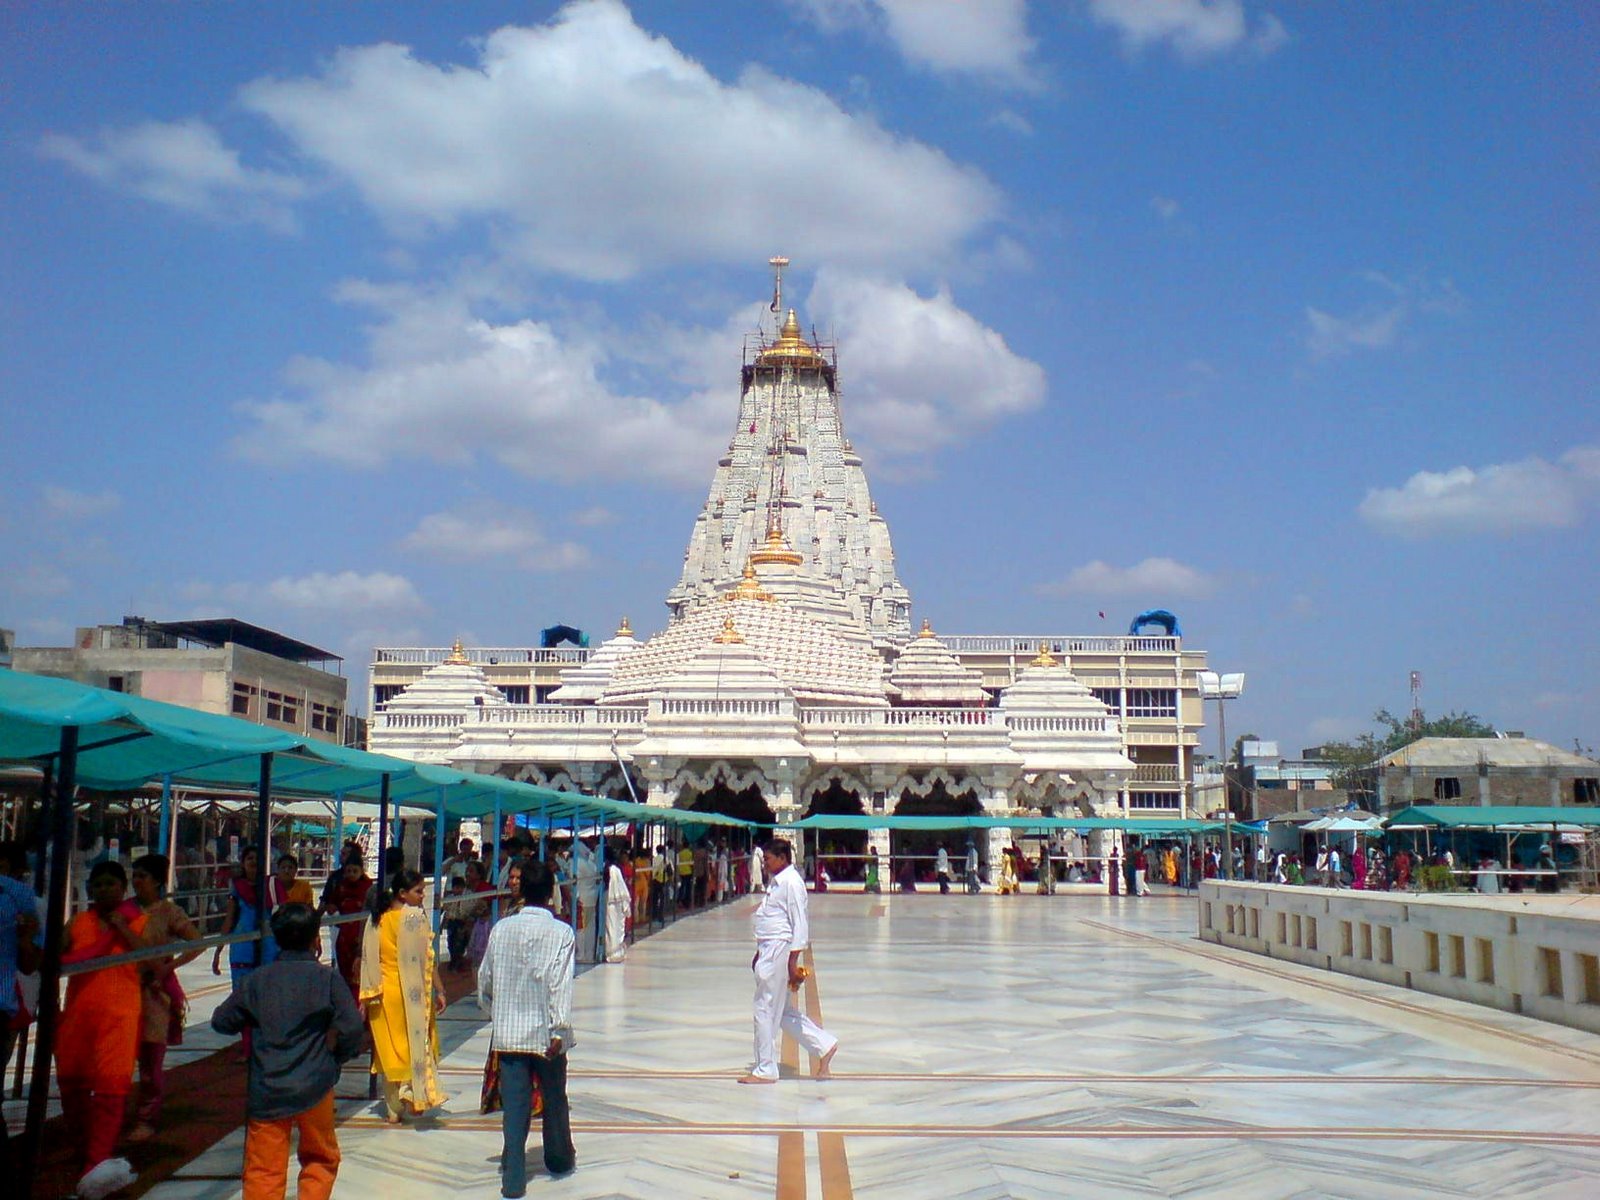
[1164,800]
[325,717]
[515,693]
[382,693]
[243,699]
[274,705]
[1152,702]
[291,710]
[1447,787]
[1110,697]
[115,683]
[1586,791]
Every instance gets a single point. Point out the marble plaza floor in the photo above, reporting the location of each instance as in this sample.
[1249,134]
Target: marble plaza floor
[1068,1046]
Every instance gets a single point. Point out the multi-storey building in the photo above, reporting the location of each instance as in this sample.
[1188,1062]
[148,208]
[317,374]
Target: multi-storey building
[788,679]
[221,666]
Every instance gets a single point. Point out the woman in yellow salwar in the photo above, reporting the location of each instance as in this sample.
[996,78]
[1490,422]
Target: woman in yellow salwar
[401,995]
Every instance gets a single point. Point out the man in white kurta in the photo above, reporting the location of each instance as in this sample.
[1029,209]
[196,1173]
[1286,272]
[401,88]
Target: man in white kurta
[782,932]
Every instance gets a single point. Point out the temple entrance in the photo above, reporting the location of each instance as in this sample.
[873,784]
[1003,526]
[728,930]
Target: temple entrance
[916,849]
[842,850]
[748,804]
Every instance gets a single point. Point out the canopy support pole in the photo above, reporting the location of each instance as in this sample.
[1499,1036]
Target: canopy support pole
[572,859]
[60,848]
[46,795]
[336,859]
[495,874]
[383,830]
[438,872]
[264,863]
[164,828]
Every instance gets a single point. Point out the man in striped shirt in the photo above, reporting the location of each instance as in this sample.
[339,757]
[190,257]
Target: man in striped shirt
[525,984]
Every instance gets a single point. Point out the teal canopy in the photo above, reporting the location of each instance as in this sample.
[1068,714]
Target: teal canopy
[1496,816]
[127,741]
[1078,824]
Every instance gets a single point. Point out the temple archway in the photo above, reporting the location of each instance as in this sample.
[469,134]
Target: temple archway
[843,850]
[939,797]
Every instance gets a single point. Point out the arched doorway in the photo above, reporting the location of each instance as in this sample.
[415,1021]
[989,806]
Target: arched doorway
[940,800]
[843,850]
[748,804]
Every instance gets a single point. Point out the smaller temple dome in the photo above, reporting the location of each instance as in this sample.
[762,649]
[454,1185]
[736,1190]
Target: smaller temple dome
[776,550]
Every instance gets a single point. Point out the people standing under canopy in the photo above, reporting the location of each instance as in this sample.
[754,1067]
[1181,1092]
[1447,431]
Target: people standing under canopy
[617,906]
[163,1003]
[346,895]
[97,1039]
[401,996]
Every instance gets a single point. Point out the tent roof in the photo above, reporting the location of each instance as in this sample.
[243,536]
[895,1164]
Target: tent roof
[1135,824]
[1492,817]
[125,741]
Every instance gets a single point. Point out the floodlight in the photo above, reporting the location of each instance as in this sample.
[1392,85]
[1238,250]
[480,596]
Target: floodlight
[1219,687]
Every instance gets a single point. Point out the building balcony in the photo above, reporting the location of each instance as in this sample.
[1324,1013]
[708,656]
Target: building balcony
[483,656]
[1059,644]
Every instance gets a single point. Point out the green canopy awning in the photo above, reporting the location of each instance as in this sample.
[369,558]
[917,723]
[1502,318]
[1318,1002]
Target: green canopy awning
[1494,816]
[1078,824]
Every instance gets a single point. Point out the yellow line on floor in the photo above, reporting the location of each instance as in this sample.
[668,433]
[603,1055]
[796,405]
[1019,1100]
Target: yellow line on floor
[791,1165]
[835,1167]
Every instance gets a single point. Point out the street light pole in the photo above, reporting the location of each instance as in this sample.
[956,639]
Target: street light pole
[1222,688]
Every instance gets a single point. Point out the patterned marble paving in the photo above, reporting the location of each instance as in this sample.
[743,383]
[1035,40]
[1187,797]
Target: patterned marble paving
[1012,1047]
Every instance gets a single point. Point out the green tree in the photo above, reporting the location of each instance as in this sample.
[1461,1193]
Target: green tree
[1354,760]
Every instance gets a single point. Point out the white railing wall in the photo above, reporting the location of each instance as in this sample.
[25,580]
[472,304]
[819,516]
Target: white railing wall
[1533,961]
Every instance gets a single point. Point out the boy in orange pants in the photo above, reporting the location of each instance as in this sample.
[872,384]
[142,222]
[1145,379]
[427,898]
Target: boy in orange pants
[306,1027]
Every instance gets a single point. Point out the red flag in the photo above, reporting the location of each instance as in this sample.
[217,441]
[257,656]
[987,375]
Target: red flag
[752,426]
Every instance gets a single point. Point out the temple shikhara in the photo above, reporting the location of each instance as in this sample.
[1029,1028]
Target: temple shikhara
[790,678]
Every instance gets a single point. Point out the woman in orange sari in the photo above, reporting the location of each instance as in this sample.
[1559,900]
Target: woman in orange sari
[98,1037]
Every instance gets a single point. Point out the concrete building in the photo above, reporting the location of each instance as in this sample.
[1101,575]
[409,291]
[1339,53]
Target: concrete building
[1484,771]
[789,680]
[221,666]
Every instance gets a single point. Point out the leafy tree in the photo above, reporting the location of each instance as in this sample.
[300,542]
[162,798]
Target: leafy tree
[1353,760]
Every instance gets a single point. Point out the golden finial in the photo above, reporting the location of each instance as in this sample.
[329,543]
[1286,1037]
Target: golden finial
[927,628]
[748,587]
[776,550]
[791,347]
[458,656]
[729,635]
[1045,659]
[624,630]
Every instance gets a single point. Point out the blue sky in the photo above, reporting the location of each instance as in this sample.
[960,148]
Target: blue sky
[381,324]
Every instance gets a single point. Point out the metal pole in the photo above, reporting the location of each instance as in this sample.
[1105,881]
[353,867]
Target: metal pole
[43,832]
[164,828]
[263,852]
[336,862]
[383,829]
[60,849]
[494,853]
[1227,810]
[572,866]
[438,870]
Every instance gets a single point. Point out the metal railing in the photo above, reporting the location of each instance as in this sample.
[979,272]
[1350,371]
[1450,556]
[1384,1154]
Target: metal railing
[962,643]
[486,656]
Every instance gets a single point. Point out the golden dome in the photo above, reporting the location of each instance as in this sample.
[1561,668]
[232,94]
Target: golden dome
[776,550]
[1045,659]
[927,628]
[791,348]
[729,635]
[624,630]
[748,588]
[458,656]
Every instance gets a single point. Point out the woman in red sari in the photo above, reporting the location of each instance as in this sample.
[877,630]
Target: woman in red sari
[347,895]
[97,1040]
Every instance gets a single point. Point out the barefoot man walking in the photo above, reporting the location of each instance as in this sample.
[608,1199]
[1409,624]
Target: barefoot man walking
[782,932]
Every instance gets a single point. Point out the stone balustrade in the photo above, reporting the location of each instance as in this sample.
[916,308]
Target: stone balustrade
[722,708]
[1536,955]
[883,717]
[562,714]
[416,720]
[482,655]
[963,643]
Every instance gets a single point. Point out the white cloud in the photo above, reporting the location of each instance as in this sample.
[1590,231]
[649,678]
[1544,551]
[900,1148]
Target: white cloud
[347,591]
[1195,29]
[1155,578]
[1012,122]
[1503,498]
[1335,729]
[1378,326]
[1165,207]
[590,517]
[1328,336]
[445,384]
[918,371]
[595,149]
[975,37]
[71,505]
[485,533]
[184,165]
